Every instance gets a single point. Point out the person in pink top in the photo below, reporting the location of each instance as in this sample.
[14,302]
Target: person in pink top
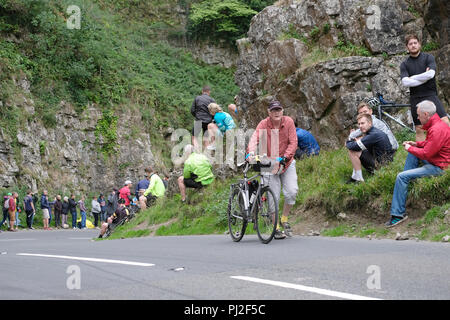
[277,133]
[125,192]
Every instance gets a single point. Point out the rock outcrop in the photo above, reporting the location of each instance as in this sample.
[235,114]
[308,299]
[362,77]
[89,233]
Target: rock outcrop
[68,157]
[320,58]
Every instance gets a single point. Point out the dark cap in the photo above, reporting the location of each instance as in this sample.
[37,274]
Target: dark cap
[275,105]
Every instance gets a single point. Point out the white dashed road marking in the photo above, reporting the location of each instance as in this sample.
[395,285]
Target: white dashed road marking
[326,292]
[131,263]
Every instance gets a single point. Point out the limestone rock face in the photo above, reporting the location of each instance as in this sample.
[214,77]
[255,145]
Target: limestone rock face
[67,157]
[295,52]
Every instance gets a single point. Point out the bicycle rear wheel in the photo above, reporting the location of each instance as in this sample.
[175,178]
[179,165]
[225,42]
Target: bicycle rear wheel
[266,216]
[237,222]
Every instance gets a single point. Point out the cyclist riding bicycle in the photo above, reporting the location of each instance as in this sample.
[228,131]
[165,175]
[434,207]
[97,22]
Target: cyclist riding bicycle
[279,130]
[120,214]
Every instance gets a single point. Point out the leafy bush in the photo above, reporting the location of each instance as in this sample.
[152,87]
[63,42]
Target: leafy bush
[226,20]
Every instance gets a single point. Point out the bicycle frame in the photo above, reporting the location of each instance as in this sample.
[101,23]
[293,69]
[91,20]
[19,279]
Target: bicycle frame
[381,112]
[249,208]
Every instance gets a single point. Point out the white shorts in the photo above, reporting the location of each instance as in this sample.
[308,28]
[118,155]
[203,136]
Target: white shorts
[45,214]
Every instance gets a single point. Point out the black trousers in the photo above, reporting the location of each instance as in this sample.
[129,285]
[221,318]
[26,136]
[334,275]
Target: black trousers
[29,215]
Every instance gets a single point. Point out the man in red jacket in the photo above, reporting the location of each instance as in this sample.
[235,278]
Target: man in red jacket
[434,152]
[277,133]
[125,192]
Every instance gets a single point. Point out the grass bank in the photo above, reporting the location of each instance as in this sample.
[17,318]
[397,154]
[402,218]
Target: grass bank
[325,204]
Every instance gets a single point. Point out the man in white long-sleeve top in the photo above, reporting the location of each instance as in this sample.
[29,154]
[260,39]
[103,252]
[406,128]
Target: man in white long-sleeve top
[418,73]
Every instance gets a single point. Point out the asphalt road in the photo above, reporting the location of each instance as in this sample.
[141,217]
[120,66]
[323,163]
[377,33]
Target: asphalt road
[69,265]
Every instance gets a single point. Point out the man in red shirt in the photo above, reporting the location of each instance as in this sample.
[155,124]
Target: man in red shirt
[277,133]
[125,192]
[434,152]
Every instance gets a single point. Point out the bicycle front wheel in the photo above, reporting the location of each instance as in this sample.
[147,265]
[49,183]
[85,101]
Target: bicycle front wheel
[237,222]
[266,215]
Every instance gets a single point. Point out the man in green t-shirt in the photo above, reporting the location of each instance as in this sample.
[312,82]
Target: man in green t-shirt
[156,188]
[197,172]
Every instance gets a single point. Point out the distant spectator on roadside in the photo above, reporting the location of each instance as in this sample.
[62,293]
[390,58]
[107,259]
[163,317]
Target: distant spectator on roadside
[12,211]
[58,211]
[73,210]
[51,210]
[197,172]
[83,210]
[45,206]
[30,210]
[111,204]
[65,212]
[96,210]
[125,192]
[101,200]
[5,208]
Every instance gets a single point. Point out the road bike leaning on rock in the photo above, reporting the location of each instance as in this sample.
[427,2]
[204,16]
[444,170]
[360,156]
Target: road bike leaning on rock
[252,201]
[380,105]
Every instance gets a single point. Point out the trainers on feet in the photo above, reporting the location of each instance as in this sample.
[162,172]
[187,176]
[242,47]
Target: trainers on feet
[395,220]
[287,229]
[279,235]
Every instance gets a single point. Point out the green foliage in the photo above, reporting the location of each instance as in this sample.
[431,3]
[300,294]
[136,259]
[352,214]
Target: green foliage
[107,129]
[430,46]
[108,62]
[226,20]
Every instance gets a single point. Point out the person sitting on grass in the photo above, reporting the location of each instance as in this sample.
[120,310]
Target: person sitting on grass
[155,189]
[434,152]
[112,221]
[197,171]
[373,149]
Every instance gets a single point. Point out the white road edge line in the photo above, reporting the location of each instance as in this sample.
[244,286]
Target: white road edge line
[7,240]
[326,292]
[131,263]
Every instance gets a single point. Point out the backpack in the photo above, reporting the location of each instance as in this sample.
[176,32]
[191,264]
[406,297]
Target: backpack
[6,204]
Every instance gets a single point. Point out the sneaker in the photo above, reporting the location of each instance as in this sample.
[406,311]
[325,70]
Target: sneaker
[287,229]
[395,220]
[279,235]
[351,180]
[211,147]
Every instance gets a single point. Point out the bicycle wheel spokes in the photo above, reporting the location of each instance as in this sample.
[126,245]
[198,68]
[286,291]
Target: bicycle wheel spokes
[266,215]
[237,221]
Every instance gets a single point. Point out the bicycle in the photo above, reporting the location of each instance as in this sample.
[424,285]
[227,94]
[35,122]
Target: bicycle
[132,211]
[379,103]
[252,201]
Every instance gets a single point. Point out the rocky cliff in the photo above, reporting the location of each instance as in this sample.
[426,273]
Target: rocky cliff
[68,156]
[320,58]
